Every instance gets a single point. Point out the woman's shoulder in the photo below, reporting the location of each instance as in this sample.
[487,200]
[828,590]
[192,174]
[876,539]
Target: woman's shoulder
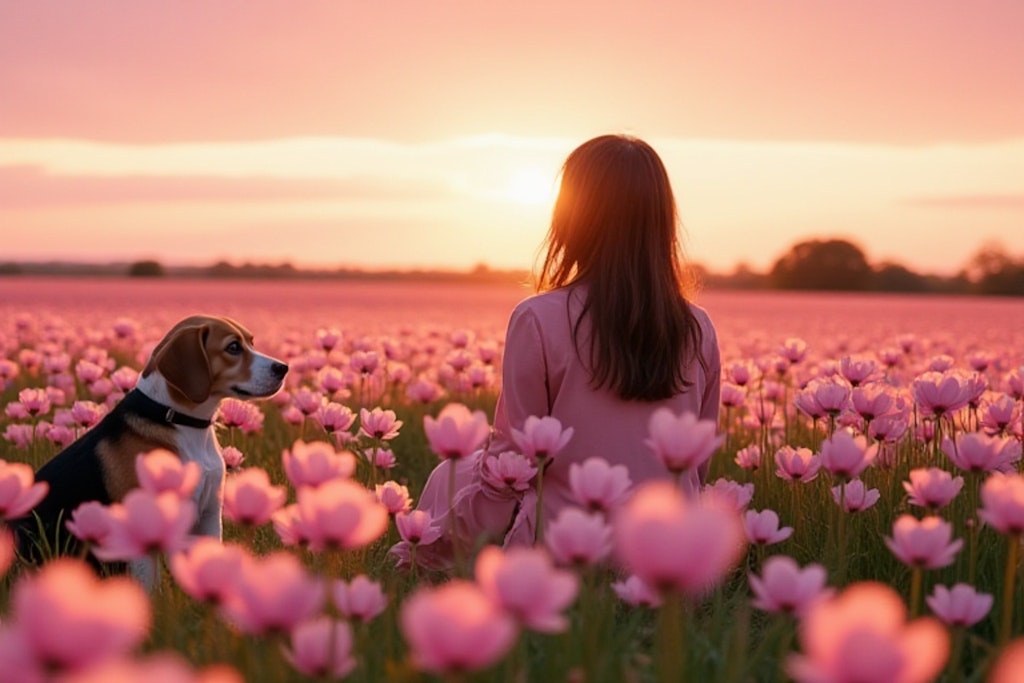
[545,305]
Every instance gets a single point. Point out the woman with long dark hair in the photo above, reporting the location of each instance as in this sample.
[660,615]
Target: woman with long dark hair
[610,338]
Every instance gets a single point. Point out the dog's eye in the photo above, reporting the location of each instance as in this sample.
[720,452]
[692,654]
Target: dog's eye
[234,348]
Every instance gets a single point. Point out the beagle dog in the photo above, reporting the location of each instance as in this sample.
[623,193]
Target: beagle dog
[202,360]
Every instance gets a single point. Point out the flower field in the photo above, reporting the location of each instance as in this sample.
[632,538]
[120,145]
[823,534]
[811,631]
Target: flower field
[863,520]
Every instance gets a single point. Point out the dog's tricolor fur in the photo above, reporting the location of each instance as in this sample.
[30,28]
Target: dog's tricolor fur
[202,360]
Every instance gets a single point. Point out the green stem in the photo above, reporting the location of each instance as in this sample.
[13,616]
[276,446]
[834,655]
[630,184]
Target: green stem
[1009,579]
[538,528]
[916,577]
[956,674]
[671,640]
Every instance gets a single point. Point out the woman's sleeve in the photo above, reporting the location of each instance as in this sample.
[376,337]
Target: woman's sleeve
[524,383]
[711,399]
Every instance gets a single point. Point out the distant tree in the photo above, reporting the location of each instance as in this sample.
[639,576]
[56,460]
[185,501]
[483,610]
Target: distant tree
[993,271]
[834,264]
[146,269]
[11,269]
[894,277]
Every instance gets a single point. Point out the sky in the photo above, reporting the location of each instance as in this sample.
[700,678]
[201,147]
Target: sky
[429,133]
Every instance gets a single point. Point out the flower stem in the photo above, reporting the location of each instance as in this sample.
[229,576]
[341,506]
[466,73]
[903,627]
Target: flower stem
[1009,578]
[538,528]
[671,640]
[916,577]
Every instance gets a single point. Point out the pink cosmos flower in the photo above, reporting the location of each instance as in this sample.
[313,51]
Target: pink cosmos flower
[424,391]
[328,338]
[845,456]
[578,538]
[90,522]
[314,463]
[273,594]
[1002,503]
[932,488]
[541,437]
[334,418]
[379,424]
[456,432]
[793,349]
[676,545]
[250,498]
[87,413]
[854,496]
[364,362]
[394,497]
[888,428]
[160,470]
[21,435]
[998,414]
[762,528]
[307,400]
[340,514]
[244,415]
[417,527]
[684,442]
[873,400]
[978,452]
[207,571]
[732,396]
[1009,666]
[19,492]
[784,587]
[749,457]
[959,606]
[939,393]
[832,394]
[867,617]
[797,464]
[740,373]
[383,458]
[598,486]
[732,493]
[288,526]
[633,591]
[456,627]
[35,401]
[926,543]
[60,436]
[64,619]
[124,378]
[507,474]
[359,599]
[858,370]
[321,648]
[146,523]
[524,582]
[163,667]
[232,457]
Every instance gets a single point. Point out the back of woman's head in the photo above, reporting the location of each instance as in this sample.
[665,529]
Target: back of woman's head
[615,228]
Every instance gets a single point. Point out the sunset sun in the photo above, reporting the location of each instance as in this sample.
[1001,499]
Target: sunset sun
[531,186]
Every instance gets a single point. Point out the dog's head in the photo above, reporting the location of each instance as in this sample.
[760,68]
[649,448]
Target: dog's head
[205,357]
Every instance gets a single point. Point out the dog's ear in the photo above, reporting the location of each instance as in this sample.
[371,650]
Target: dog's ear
[184,364]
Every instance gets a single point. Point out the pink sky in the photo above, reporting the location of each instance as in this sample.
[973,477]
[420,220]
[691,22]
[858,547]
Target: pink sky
[413,133]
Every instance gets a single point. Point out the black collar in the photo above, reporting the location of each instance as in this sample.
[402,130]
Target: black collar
[137,402]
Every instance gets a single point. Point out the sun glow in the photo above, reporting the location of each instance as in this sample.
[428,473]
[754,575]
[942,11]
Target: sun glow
[531,186]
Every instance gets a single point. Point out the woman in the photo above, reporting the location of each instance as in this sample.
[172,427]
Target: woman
[609,339]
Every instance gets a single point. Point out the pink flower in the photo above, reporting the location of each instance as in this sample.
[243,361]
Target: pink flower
[633,591]
[90,522]
[507,474]
[998,414]
[456,627]
[596,485]
[924,543]
[888,428]
[321,648]
[7,550]
[19,492]
[578,538]
[541,437]
[938,393]
[873,400]
[316,462]
[359,599]
[932,488]
[865,618]
[1009,667]
[383,458]
[160,470]
[394,497]
[86,413]
[340,514]
[456,432]
[854,496]
[307,401]
[146,523]
[683,442]
[66,619]
[244,415]
[749,458]
[831,394]
[762,528]
[417,527]
[978,452]
[732,493]
[845,455]
[1002,503]
[524,582]
[35,401]
[162,667]
[232,457]
[732,395]
[250,498]
[334,418]
[676,545]
[273,594]
[959,606]
[424,391]
[21,435]
[784,587]
[208,570]
[797,464]
[328,338]
[379,424]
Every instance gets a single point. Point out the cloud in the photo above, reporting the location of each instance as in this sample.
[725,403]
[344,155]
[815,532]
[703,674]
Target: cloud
[29,186]
[972,202]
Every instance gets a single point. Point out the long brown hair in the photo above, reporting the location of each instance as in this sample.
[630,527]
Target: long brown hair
[615,229]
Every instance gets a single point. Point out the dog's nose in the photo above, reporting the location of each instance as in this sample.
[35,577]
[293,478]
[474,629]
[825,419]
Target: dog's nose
[279,370]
